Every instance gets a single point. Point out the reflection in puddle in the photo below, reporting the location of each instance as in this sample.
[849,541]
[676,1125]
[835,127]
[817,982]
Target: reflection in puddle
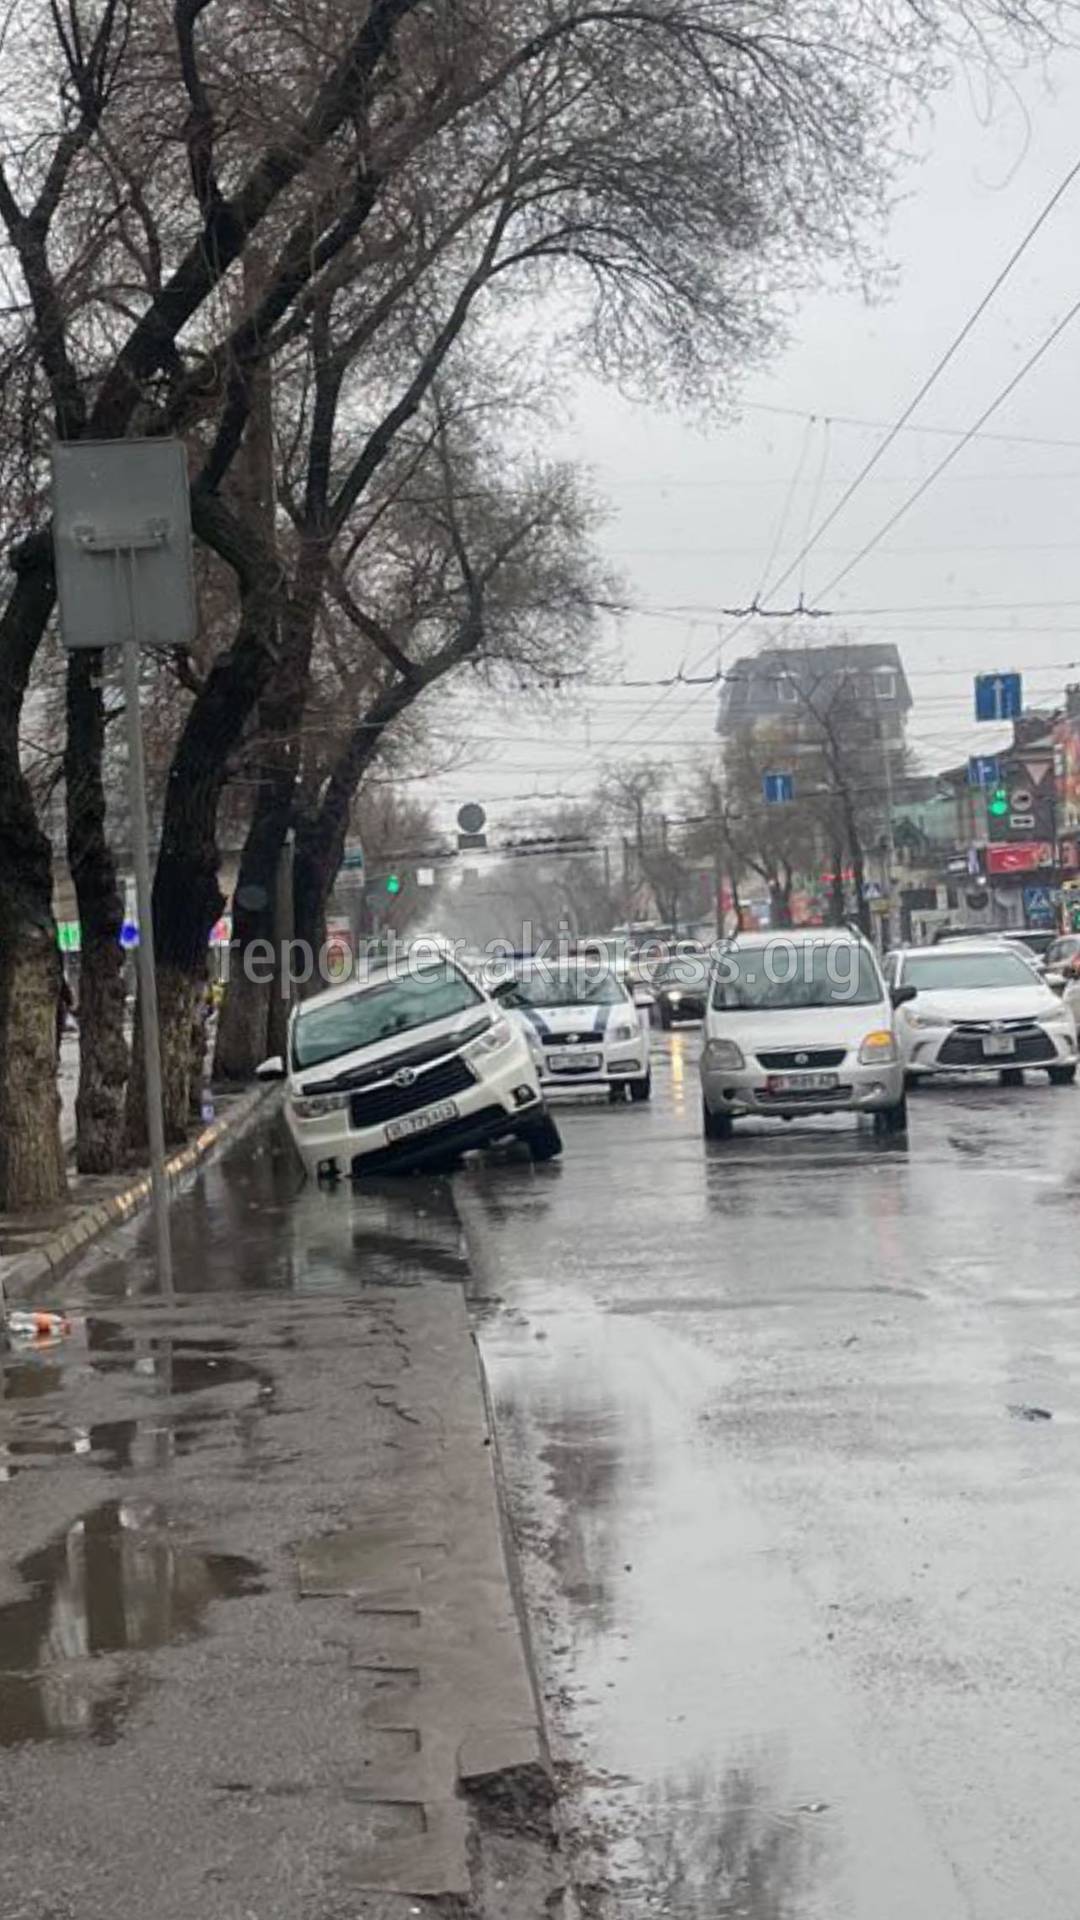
[113,1583]
[716,1849]
[182,1366]
[119,1446]
[28,1379]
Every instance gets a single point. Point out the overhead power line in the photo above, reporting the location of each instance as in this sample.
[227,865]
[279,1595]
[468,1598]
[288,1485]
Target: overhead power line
[904,419]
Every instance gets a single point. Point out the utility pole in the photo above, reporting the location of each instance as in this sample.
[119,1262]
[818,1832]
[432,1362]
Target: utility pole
[890,836]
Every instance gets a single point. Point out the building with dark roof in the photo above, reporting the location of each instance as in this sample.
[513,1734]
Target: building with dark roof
[788,685]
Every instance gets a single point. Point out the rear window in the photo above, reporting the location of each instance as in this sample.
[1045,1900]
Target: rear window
[379,1012]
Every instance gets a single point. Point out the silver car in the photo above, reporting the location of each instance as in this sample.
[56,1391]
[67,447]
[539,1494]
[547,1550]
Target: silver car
[801,1022]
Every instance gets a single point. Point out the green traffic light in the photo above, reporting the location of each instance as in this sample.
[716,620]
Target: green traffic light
[999,804]
[393,883]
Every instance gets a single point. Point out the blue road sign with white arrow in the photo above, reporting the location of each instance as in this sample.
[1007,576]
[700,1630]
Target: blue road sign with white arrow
[984,770]
[778,788]
[998,696]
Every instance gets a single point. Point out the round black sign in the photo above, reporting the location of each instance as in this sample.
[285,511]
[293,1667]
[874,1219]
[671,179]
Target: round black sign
[471,817]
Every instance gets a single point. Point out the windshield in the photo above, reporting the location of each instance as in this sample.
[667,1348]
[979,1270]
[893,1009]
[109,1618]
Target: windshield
[549,987]
[790,973]
[376,1013]
[941,971]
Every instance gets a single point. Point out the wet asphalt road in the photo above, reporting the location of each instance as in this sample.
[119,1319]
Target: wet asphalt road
[803,1587]
[804,1579]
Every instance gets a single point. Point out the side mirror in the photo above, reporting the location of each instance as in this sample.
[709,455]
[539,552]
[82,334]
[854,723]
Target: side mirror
[901,995]
[272,1069]
[503,989]
[1055,981]
[643,995]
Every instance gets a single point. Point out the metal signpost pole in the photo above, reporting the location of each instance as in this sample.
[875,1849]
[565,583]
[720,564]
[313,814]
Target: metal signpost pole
[145,961]
[122,546]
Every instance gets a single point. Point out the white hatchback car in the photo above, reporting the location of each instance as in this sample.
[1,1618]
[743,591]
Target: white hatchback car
[411,1066]
[980,1006]
[800,1021]
[583,1022]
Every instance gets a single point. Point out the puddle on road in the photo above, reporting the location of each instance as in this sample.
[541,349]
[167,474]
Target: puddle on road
[182,1365]
[118,1446]
[114,1583]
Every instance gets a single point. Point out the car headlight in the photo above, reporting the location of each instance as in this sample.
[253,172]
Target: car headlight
[673,993]
[314,1106]
[1057,1017]
[724,1053]
[934,1021]
[499,1034]
[623,1032]
[878,1049]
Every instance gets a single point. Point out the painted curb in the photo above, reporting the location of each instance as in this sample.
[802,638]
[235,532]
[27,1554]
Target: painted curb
[27,1273]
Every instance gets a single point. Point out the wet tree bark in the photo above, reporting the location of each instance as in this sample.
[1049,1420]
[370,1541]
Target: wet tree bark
[187,895]
[103,1056]
[31,1161]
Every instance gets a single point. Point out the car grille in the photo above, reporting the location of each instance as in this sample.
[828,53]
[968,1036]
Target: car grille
[796,1097]
[809,1059]
[584,1040]
[414,1056]
[388,1102]
[964,1047]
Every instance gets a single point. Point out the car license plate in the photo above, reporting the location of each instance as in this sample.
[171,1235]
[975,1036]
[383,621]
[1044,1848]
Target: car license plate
[995,1044]
[575,1062]
[421,1122]
[801,1082]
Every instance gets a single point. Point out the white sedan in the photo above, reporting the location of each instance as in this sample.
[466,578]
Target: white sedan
[585,1029]
[979,1007]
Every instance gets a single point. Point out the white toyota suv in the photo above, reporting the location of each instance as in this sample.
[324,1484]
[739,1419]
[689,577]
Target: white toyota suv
[412,1066]
[801,1021]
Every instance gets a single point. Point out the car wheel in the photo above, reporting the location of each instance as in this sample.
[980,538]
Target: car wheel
[717,1126]
[1012,1077]
[911,1079]
[890,1121]
[641,1089]
[1061,1076]
[541,1136]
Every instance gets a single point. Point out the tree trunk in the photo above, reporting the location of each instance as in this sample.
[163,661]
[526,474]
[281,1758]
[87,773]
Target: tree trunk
[780,903]
[837,908]
[103,1054]
[31,1161]
[187,895]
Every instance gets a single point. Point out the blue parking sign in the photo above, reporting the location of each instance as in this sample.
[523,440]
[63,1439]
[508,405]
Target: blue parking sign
[984,770]
[998,696]
[778,788]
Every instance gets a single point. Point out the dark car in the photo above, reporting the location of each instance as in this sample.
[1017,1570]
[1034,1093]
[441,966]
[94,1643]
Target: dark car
[681,988]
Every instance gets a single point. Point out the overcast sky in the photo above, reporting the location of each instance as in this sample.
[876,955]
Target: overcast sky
[983,571]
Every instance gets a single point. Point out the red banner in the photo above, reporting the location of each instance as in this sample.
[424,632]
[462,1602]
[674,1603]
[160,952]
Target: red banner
[1022,856]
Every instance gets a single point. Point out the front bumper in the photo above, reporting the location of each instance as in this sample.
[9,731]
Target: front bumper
[619,1060]
[488,1110]
[959,1050]
[859,1089]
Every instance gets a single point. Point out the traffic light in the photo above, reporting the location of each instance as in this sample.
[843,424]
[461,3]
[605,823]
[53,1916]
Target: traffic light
[393,883]
[999,802]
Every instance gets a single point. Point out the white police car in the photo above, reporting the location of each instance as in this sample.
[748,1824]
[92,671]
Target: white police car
[586,1031]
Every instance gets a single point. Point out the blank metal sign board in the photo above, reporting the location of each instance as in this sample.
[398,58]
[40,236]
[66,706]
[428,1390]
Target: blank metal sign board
[122,539]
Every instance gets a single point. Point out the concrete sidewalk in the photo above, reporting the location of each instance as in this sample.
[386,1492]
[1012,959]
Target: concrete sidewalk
[259,1652]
